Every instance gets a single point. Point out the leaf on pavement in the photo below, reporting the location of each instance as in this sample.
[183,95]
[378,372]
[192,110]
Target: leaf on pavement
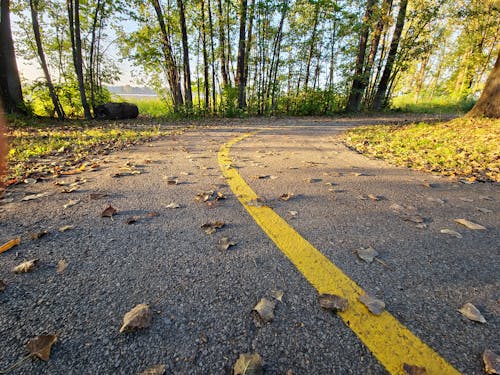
[435,200]
[155,370]
[204,196]
[3,286]
[417,219]
[471,312]
[376,306]
[210,228]
[71,203]
[65,228]
[248,364]
[414,370]
[219,196]
[10,244]
[293,214]
[484,210]
[372,197]
[94,196]
[38,235]
[25,267]
[132,220]
[278,295]
[469,224]
[34,196]
[61,266]
[367,254]
[137,318]
[173,205]
[68,190]
[451,233]
[40,346]
[491,362]
[108,212]
[265,309]
[286,196]
[152,214]
[225,243]
[333,302]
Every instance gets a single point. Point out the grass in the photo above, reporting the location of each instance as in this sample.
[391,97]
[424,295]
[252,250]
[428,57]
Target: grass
[465,147]
[438,105]
[39,147]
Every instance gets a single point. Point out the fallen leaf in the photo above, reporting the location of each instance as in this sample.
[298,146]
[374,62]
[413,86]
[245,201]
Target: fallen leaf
[172,181]
[261,177]
[375,197]
[219,196]
[98,195]
[469,224]
[485,198]
[265,309]
[108,212]
[435,200]
[71,203]
[10,244]
[286,196]
[132,220]
[25,267]
[61,266]
[60,183]
[248,364]
[468,200]
[40,346]
[484,210]
[414,370]
[204,196]
[491,362]
[451,233]
[173,205]
[417,219]
[333,302]
[278,295]
[38,235]
[293,214]
[210,228]
[3,285]
[34,196]
[471,312]
[376,306]
[155,370]
[137,318]
[225,243]
[69,190]
[66,228]
[151,214]
[367,254]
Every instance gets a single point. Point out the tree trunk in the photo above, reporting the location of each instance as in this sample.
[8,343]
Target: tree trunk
[188,95]
[170,64]
[212,55]
[358,83]
[10,84]
[76,48]
[92,53]
[240,70]
[312,43]
[222,47]
[43,62]
[205,56]
[381,95]
[488,104]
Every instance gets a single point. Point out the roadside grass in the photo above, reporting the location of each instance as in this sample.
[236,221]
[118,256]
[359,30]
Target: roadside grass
[465,147]
[437,105]
[40,147]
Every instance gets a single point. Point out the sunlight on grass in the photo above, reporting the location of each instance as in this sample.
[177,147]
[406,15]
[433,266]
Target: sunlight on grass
[441,104]
[462,147]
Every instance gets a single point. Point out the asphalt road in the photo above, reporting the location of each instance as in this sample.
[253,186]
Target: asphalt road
[202,297]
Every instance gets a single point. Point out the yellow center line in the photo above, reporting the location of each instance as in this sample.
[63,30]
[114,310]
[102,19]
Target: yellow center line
[390,341]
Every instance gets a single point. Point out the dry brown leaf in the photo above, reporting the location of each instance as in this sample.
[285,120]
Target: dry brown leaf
[451,233]
[376,306]
[265,309]
[25,267]
[40,346]
[278,295]
[71,203]
[173,205]
[293,214]
[151,214]
[98,195]
[374,197]
[210,228]
[155,370]
[248,364]
[471,312]
[34,196]
[10,244]
[137,318]
[469,224]
[435,200]
[417,219]
[71,189]
[491,362]
[414,370]
[108,212]
[225,243]
[367,254]
[61,266]
[66,228]
[219,196]
[3,286]
[204,196]
[132,220]
[333,302]
[484,210]
[286,196]
[38,235]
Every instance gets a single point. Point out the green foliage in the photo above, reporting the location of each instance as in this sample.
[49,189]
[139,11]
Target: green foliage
[441,104]
[463,147]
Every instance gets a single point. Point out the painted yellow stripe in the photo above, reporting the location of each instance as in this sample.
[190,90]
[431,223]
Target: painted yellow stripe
[389,340]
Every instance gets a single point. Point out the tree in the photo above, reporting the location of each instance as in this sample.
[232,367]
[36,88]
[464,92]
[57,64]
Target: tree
[34,4]
[488,104]
[185,55]
[240,70]
[10,84]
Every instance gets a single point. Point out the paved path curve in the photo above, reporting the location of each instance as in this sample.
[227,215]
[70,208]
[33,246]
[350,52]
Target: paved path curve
[202,297]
